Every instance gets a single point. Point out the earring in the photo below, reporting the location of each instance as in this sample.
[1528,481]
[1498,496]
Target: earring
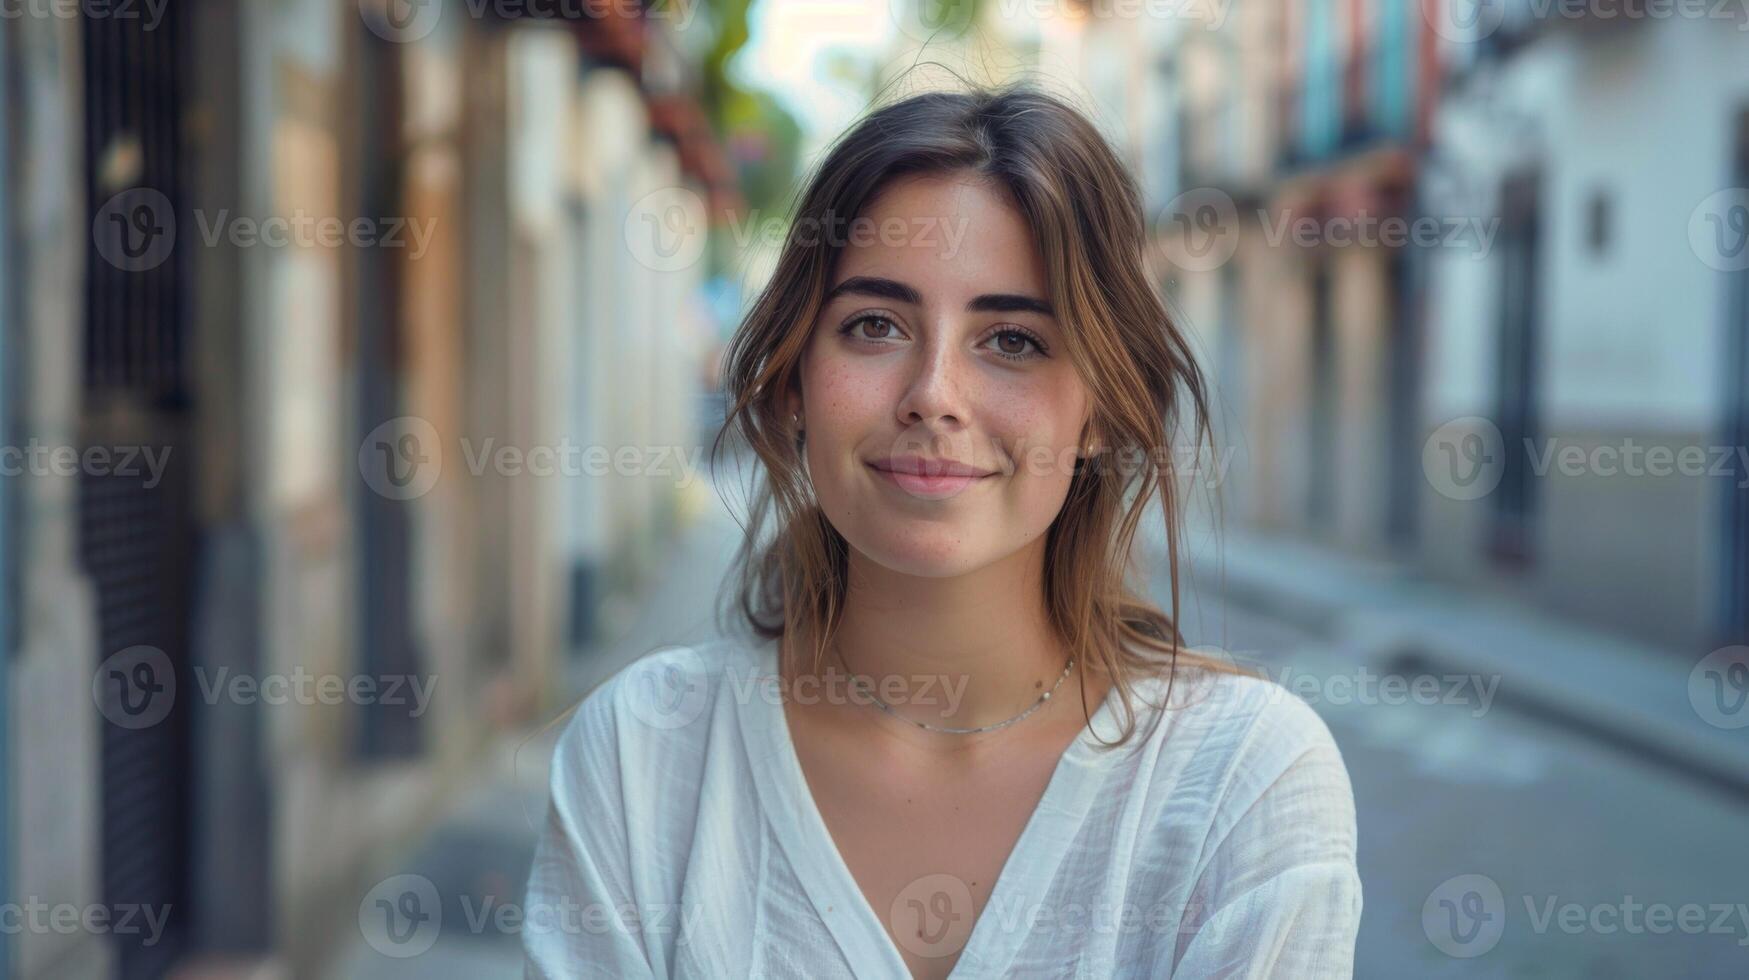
[1090,454]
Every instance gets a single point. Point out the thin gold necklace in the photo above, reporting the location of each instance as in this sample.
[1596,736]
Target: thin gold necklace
[942,729]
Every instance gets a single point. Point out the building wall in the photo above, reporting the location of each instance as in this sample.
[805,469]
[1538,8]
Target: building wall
[541,70]
[1632,338]
[336,816]
[1235,78]
[1279,329]
[54,727]
[526,319]
[1362,313]
[7,314]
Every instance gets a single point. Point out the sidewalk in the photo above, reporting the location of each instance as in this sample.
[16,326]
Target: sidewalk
[1638,698]
[679,605]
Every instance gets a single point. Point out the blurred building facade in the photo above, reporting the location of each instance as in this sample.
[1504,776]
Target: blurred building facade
[1408,232]
[1603,145]
[332,413]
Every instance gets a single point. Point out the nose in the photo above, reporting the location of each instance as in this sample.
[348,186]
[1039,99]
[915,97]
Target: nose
[935,391]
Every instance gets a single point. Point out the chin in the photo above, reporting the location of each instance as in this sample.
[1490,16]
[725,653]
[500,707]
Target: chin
[923,550]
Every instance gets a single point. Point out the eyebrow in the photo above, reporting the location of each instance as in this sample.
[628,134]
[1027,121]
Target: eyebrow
[882,288]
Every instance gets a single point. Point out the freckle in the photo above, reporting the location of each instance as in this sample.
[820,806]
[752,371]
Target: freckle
[1038,683]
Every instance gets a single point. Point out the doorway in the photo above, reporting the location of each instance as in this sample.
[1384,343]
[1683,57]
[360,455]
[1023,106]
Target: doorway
[385,641]
[1321,441]
[1512,534]
[136,530]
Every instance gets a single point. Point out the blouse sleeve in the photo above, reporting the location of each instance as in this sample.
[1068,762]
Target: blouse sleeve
[580,917]
[1279,895]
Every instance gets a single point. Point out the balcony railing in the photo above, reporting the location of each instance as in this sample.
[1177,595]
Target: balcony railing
[1507,26]
[1363,106]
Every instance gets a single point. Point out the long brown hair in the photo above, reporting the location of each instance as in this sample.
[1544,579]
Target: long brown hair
[1086,217]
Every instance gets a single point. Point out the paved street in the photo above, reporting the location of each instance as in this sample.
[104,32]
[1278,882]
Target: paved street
[1550,816]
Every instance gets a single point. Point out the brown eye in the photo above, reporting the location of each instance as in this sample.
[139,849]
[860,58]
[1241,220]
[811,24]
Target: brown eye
[870,327]
[1012,344]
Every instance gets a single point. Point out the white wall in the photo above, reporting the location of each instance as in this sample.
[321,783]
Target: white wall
[1645,114]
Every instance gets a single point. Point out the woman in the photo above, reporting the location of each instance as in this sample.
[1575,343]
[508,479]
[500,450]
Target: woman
[957,740]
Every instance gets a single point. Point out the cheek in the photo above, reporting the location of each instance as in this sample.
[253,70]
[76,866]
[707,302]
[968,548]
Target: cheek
[1040,428]
[842,393]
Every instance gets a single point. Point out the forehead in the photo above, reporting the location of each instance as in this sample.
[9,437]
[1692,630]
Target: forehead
[946,236]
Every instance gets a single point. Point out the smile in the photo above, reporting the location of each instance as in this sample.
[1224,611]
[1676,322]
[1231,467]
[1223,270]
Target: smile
[928,487]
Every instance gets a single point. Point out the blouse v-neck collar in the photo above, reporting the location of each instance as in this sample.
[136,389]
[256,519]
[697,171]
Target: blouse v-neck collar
[802,833]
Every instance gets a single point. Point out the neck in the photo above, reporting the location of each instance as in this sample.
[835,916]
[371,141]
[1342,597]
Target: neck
[961,652]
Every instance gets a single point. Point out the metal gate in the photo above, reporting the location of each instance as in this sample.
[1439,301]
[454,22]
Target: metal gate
[136,533]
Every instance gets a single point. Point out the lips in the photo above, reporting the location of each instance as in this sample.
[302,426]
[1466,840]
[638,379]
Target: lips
[927,466]
[927,477]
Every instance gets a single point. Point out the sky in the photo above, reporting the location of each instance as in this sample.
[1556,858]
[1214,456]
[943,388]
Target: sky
[787,54]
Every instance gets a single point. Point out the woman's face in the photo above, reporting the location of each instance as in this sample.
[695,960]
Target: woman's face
[941,410]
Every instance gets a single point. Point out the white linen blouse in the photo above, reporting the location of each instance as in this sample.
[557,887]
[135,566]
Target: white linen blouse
[682,841]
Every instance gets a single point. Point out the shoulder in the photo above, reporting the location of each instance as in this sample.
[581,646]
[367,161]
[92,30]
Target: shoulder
[655,711]
[1259,815]
[1269,725]
[1248,745]
[670,687]
[1241,713]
